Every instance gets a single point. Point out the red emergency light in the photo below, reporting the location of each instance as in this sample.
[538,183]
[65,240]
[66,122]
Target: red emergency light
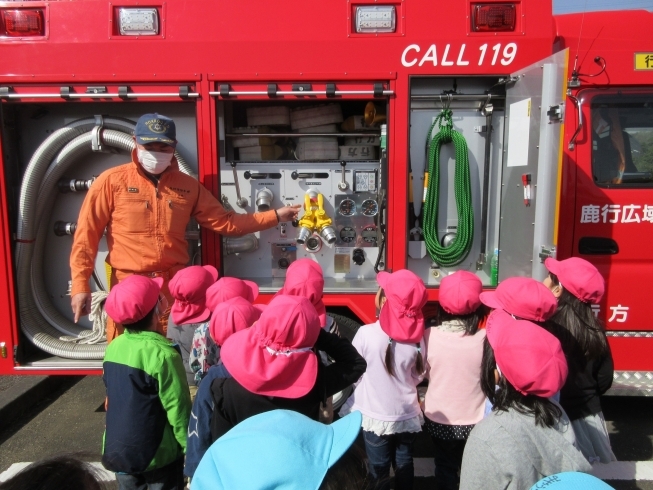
[493,17]
[22,22]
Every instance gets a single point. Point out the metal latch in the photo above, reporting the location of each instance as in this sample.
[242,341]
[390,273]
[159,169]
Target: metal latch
[96,141]
[546,252]
[555,113]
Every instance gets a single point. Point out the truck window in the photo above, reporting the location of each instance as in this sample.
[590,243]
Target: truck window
[622,140]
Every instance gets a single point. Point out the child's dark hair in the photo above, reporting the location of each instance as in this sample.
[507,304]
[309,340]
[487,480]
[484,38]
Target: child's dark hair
[577,318]
[546,413]
[389,354]
[143,323]
[471,321]
[349,472]
[64,472]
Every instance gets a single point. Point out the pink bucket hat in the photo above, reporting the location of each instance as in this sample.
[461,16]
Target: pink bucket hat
[459,293]
[133,298]
[232,316]
[523,297]
[579,277]
[529,357]
[188,287]
[274,357]
[230,287]
[401,316]
[305,278]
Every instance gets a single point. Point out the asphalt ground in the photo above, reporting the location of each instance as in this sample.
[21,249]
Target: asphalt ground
[70,419]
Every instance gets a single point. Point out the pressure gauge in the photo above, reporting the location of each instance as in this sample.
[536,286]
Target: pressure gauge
[370,207]
[347,207]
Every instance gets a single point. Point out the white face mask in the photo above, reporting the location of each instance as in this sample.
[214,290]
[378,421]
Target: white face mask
[154,162]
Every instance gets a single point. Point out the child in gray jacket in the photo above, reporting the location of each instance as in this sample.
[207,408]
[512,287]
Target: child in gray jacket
[523,439]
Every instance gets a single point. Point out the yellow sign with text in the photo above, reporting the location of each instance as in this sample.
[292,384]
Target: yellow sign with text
[643,61]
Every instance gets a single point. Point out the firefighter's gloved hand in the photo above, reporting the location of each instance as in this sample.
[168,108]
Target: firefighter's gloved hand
[81,305]
[288,213]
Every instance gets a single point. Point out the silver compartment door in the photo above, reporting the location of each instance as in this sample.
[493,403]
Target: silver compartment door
[532,146]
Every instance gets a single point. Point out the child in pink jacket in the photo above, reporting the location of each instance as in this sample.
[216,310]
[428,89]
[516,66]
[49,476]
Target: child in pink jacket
[454,401]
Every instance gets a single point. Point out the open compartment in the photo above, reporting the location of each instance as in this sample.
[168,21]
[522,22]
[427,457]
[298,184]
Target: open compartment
[327,154]
[47,173]
[478,109]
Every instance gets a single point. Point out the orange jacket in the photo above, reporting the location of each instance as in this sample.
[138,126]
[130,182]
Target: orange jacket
[146,225]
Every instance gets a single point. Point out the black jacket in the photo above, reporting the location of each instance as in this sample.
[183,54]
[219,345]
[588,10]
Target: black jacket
[233,403]
[586,381]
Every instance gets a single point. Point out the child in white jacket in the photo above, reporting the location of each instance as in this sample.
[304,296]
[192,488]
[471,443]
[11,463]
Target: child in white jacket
[387,393]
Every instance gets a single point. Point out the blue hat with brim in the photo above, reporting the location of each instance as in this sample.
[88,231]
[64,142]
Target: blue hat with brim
[276,449]
[155,128]
[571,481]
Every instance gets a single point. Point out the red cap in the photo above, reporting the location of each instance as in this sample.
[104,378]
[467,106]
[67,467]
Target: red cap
[188,287]
[230,287]
[133,298]
[459,293]
[529,357]
[579,277]
[274,357]
[232,316]
[523,297]
[401,316]
[304,278]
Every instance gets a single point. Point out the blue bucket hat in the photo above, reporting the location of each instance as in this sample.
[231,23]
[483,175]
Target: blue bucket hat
[155,128]
[571,480]
[276,449]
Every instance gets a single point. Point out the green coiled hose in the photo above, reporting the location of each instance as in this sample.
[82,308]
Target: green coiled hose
[456,252]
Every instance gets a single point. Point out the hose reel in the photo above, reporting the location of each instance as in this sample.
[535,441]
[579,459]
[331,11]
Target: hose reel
[461,245]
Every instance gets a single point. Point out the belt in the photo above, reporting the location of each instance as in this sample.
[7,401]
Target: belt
[166,275]
[152,274]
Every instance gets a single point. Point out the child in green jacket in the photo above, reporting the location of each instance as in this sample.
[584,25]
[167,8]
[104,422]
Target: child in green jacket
[148,403]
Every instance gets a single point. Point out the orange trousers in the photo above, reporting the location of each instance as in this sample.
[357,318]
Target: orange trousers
[114,329]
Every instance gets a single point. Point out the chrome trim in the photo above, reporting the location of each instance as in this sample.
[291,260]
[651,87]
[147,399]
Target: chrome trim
[300,93]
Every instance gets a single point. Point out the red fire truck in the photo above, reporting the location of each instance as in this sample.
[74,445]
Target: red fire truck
[334,104]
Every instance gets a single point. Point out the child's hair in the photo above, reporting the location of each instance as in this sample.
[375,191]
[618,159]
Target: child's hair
[389,355]
[144,323]
[586,332]
[349,472]
[546,413]
[63,472]
[471,321]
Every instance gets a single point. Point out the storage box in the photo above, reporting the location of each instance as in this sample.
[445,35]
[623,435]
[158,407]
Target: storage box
[357,153]
[317,148]
[354,124]
[259,153]
[246,141]
[309,117]
[371,140]
[268,116]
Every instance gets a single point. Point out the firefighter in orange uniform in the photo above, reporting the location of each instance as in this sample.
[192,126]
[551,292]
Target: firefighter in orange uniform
[145,206]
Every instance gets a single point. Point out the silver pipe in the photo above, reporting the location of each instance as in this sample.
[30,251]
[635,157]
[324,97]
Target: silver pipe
[243,244]
[302,93]
[301,135]
[449,97]
[129,95]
